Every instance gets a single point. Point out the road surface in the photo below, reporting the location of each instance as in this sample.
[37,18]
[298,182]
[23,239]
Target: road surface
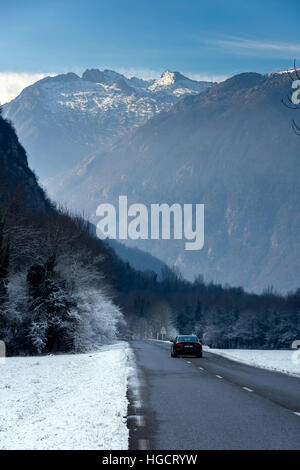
[210,403]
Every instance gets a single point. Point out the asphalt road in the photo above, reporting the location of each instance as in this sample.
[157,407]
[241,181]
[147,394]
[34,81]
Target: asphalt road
[210,403]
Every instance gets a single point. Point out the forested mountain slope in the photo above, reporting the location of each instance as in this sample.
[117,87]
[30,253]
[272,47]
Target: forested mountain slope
[62,289]
[230,147]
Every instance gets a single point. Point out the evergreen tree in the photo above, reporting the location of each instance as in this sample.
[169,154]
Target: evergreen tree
[185,321]
[199,319]
[4,261]
[51,325]
[4,271]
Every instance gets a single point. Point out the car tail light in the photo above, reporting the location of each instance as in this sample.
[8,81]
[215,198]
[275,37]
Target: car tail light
[198,345]
[178,345]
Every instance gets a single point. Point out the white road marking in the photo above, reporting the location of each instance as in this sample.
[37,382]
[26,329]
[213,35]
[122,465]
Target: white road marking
[201,368]
[297,413]
[143,444]
[219,376]
[189,362]
[248,389]
[140,420]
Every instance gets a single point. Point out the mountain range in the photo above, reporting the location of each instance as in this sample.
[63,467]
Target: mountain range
[229,146]
[62,119]
[51,264]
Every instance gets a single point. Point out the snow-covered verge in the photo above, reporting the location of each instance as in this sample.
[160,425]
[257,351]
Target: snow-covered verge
[287,362]
[66,401]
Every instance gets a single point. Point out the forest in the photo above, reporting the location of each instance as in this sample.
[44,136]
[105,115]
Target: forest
[64,290]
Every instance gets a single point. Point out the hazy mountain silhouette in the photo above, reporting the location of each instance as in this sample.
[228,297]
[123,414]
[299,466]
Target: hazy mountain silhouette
[230,147]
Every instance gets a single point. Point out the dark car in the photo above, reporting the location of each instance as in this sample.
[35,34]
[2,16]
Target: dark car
[186,344]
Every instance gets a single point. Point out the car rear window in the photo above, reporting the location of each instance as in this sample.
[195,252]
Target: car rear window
[187,339]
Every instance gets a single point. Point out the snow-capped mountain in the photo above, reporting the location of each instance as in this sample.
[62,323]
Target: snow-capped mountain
[66,118]
[231,148]
[176,84]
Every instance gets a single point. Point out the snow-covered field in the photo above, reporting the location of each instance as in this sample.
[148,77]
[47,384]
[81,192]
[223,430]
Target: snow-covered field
[66,401]
[284,361]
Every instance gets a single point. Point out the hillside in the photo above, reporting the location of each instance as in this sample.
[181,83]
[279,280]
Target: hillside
[16,178]
[63,290]
[55,276]
[232,148]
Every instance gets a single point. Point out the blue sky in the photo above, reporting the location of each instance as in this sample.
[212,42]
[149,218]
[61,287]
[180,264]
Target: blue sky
[204,39]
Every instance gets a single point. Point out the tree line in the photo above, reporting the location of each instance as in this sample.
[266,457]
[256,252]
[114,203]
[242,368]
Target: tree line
[222,316]
[64,290]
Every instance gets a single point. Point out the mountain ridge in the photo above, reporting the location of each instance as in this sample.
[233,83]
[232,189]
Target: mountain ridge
[62,119]
[16,178]
[231,148]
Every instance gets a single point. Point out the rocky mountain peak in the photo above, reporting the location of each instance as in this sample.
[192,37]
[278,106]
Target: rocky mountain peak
[99,76]
[93,75]
[123,86]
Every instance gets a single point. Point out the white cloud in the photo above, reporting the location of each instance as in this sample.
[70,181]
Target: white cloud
[147,74]
[202,77]
[12,83]
[245,46]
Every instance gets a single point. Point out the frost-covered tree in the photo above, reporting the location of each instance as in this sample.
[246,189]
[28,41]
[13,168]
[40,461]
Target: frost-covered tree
[16,314]
[52,323]
[98,317]
[162,316]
